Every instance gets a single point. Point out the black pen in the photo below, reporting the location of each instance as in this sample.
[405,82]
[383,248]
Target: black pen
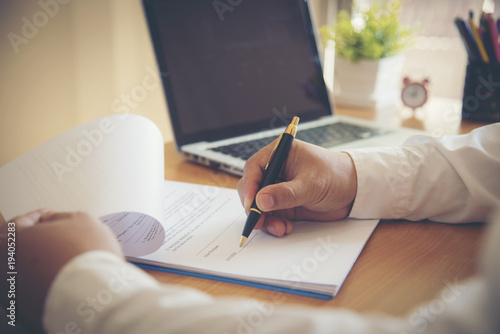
[271,171]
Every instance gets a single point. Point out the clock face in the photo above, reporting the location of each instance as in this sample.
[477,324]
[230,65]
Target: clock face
[414,95]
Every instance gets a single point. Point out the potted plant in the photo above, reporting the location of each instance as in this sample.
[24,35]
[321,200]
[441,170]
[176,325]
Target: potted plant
[368,59]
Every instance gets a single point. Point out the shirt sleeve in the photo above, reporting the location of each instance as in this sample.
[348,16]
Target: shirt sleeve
[98,292]
[446,179]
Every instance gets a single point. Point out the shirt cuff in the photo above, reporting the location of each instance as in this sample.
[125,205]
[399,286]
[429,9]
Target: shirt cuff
[383,192]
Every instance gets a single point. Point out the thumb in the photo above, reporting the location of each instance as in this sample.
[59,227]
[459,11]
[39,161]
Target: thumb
[280,196]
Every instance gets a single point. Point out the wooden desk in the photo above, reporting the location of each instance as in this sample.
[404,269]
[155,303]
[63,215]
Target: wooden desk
[403,264]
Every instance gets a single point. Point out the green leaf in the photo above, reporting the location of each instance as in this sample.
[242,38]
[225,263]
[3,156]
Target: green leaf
[382,36]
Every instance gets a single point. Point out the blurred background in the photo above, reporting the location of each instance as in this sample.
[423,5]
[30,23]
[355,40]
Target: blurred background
[65,62]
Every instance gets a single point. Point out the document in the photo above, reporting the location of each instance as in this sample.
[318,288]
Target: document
[113,168]
[203,227]
[108,166]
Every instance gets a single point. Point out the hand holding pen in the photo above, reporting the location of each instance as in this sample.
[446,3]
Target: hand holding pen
[271,170]
[317,184]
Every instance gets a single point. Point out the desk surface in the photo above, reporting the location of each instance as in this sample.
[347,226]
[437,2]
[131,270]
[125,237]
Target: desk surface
[402,265]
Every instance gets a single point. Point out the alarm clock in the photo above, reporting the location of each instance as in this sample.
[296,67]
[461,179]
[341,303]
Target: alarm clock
[414,94]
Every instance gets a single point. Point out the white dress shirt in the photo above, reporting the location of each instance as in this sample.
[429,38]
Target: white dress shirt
[448,179]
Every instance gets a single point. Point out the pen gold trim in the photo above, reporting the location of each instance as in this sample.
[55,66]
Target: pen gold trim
[291,129]
[242,240]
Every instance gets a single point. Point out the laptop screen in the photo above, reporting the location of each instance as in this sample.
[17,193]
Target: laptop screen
[235,67]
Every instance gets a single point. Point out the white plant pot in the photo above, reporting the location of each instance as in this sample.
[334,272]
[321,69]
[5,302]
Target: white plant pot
[372,84]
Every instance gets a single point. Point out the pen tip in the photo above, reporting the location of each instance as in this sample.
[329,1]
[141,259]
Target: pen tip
[295,120]
[242,241]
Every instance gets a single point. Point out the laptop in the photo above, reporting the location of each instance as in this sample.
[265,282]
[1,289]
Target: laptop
[234,74]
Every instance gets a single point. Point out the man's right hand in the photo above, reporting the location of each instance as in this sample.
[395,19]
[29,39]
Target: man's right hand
[318,184]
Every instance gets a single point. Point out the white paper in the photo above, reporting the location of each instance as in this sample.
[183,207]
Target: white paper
[137,233]
[106,166]
[203,228]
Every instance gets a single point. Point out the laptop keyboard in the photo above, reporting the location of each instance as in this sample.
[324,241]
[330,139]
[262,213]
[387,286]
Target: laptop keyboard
[324,136]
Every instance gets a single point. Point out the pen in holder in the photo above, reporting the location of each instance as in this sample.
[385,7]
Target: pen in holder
[481,100]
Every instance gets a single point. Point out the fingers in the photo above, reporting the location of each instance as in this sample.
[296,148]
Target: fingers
[317,185]
[29,219]
[260,222]
[277,225]
[254,170]
[248,188]
[249,184]
[284,195]
[51,216]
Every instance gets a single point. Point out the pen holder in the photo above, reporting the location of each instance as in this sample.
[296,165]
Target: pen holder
[481,100]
